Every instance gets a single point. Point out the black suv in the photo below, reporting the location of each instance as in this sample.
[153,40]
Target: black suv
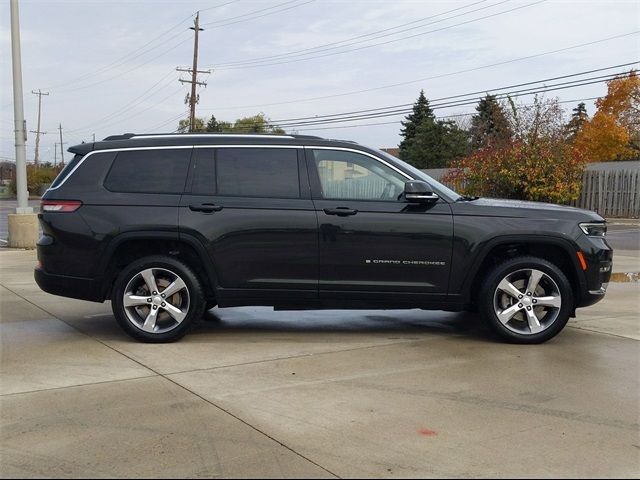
[167,226]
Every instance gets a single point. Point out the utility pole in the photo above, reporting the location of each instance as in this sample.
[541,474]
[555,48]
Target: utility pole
[61,147]
[36,158]
[55,154]
[193,98]
[23,225]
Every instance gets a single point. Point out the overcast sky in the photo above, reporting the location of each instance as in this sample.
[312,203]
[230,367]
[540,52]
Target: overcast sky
[104,77]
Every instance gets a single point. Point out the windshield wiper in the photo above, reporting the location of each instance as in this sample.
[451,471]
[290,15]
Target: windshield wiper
[466,198]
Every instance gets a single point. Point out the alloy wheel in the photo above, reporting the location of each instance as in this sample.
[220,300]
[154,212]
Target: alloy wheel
[156,300]
[527,301]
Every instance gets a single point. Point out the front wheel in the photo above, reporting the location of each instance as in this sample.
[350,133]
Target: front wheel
[157,299]
[526,300]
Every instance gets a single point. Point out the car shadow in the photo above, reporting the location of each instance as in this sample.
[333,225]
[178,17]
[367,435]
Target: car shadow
[265,319]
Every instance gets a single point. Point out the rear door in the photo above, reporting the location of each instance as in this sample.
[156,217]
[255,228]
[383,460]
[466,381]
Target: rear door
[251,206]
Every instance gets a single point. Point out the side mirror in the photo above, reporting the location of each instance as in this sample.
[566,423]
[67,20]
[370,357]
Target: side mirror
[417,191]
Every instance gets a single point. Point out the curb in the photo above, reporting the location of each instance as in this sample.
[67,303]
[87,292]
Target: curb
[625,277]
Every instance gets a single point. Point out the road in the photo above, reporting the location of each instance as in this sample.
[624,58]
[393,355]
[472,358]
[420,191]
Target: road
[624,236]
[254,393]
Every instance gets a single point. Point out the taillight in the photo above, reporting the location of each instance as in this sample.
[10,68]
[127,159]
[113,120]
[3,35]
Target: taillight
[60,205]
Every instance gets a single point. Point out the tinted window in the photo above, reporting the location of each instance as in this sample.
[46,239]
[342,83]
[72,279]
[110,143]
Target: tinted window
[258,172]
[66,170]
[149,171]
[204,172]
[352,176]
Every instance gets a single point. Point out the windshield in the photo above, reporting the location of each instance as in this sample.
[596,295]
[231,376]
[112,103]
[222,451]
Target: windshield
[420,175]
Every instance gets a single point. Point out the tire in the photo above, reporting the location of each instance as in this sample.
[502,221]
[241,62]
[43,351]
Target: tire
[521,316]
[157,318]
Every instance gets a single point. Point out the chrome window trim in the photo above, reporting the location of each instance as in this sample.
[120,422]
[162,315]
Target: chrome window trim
[246,146]
[166,147]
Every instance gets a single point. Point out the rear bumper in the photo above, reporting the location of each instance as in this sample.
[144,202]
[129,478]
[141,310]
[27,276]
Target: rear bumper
[73,287]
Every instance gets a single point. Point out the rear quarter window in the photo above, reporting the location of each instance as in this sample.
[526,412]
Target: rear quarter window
[149,171]
[66,170]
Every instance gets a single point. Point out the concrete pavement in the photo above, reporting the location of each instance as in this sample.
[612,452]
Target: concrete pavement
[257,393]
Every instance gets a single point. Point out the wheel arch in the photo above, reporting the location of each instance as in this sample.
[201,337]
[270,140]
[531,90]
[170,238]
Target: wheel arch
[556,250]
[129,246]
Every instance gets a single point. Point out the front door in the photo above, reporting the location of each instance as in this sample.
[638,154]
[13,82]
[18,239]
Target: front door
[373,244]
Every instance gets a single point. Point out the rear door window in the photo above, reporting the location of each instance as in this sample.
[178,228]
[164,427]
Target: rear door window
[258,172]
[149,171]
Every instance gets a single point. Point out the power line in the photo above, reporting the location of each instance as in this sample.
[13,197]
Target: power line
[138,113]
[370,34]
[131,104]
[224,21]
[477,92]
[131,55]
[217,6]
[443,117]
[517,93]
[137,67]
[124,58]
[166,122]
[312,57]
[468,101]
[433,77]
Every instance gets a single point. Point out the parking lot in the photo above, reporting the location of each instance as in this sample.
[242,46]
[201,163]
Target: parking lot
[257,393]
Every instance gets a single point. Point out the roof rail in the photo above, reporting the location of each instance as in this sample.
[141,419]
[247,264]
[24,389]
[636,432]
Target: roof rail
[127,136]
[210,134]
[124,136]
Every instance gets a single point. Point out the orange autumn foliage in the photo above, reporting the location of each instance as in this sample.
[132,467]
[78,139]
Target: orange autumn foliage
[614,131]
[538,164]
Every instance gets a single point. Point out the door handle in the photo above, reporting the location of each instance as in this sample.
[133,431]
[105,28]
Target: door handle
[205,207]
[340,211]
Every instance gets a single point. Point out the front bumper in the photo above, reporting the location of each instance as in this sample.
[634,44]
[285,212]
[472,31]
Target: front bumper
[598,255]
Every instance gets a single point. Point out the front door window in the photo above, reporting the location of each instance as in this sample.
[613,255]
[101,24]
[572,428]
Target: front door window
[353,176]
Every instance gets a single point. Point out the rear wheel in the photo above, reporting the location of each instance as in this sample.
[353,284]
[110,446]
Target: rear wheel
[157,299]
[526,300]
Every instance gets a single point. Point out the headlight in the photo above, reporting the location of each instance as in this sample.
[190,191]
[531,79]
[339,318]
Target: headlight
[594,229]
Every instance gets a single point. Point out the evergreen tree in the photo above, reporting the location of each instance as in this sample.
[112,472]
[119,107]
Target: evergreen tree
[578,118]
[436,144]
[490,125]
[421,112]
[213,125]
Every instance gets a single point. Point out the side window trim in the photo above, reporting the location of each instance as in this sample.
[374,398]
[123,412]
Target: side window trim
[314,176]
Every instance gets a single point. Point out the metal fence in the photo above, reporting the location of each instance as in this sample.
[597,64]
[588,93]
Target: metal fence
[611,193]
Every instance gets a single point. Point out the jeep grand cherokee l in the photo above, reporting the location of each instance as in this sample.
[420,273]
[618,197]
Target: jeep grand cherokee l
[166,226]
